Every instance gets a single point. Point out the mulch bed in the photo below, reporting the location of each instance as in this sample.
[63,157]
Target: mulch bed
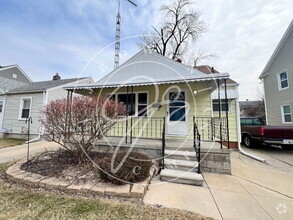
[61,165]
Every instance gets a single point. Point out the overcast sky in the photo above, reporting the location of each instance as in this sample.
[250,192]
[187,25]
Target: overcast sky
[74,38]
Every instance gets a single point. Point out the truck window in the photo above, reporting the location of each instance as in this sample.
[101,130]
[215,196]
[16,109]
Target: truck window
[257,121]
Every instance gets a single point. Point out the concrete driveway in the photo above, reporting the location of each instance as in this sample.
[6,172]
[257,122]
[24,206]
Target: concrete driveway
[19,152]
[253,191]
[273,154]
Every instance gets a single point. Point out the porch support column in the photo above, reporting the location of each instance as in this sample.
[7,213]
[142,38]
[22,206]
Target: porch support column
[220,112]
[126,132]
[132,107]
[68,113]
[227,116]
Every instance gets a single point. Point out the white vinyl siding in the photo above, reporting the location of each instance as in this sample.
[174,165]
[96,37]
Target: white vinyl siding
[274,97]
[11,121]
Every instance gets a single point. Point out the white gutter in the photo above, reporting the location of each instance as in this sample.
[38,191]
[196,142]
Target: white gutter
[45,101]
[239,134]
[35,139]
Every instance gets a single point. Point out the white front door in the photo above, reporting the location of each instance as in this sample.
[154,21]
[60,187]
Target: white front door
[1,113]
[177,114]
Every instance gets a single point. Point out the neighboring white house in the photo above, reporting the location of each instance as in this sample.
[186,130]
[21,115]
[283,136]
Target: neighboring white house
[27,100]
[277,78]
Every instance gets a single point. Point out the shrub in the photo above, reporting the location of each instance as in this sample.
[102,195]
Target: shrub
[76,124]
[134,169]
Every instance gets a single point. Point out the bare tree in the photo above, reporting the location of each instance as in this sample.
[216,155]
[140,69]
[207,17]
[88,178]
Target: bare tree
[182,26]
[196,58]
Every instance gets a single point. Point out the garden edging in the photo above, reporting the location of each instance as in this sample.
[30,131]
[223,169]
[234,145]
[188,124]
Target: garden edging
[136,190]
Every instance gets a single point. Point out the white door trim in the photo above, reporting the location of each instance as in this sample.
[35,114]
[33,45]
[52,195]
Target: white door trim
[186,114]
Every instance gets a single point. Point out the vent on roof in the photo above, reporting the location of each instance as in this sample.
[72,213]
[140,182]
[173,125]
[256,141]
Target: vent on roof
[56,77]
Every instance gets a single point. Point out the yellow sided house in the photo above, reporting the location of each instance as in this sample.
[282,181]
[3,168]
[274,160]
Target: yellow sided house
[182,116]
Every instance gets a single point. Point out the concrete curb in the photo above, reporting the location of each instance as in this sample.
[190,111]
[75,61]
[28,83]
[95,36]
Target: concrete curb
[136,190]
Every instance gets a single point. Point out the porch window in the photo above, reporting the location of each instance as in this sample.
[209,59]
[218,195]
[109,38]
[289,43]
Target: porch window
[142,104]
[286,113]
[137,102]
[25,108]
[216,106]
[130,99]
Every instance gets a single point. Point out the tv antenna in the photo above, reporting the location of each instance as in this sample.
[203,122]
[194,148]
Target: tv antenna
[118,30]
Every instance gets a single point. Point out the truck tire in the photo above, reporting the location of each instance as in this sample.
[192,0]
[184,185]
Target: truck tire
[287,147]
[247,141]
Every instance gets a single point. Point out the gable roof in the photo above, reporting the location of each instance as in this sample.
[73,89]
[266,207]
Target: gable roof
[277,50]
[209,70]
[149,68]
[2,68]
[42,85]
[9,84]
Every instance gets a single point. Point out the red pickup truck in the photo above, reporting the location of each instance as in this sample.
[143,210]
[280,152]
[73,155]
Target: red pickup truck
[255,132]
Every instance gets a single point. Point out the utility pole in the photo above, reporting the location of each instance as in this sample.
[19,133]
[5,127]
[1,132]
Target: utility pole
[117,36]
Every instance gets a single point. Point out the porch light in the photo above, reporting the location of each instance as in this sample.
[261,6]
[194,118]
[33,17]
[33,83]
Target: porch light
[195,93]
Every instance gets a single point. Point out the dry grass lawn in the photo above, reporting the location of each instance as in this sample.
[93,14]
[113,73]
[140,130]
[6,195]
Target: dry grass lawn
[9,142]
[21,203]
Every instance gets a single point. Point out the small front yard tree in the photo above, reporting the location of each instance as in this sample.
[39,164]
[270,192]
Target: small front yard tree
[78,123]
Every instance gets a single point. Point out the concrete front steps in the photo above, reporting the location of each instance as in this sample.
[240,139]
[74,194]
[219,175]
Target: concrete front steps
[181,167]
[183,177]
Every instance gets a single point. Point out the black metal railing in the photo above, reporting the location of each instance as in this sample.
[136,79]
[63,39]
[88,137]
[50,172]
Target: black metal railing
[163,144]
[212,128]
[138,127]
[196,143]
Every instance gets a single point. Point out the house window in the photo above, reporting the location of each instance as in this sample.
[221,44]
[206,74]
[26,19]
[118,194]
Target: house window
[130,99]
[286,113]
[137,102]
[216,106]
[25,108]
[283,80]
[14,75]
[142,104]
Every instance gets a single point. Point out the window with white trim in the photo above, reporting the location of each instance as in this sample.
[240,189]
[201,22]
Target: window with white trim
[283,80]
[137,102]
[216,106]
[286,113]
[25,108]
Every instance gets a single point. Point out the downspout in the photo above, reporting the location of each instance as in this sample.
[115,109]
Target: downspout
[239,134]
[45,100]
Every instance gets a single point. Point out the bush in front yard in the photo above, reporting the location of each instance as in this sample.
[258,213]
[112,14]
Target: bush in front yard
[134,169]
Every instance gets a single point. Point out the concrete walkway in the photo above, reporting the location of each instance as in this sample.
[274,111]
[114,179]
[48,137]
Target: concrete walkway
[253,191]
[20,151]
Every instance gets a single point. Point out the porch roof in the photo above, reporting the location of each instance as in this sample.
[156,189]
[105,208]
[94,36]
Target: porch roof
[149,68]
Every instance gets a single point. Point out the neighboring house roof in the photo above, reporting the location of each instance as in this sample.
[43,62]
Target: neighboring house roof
[149,68]
[249,104]
[277,50]
[209,70]
[9,84]
[2,68]
[42,85]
